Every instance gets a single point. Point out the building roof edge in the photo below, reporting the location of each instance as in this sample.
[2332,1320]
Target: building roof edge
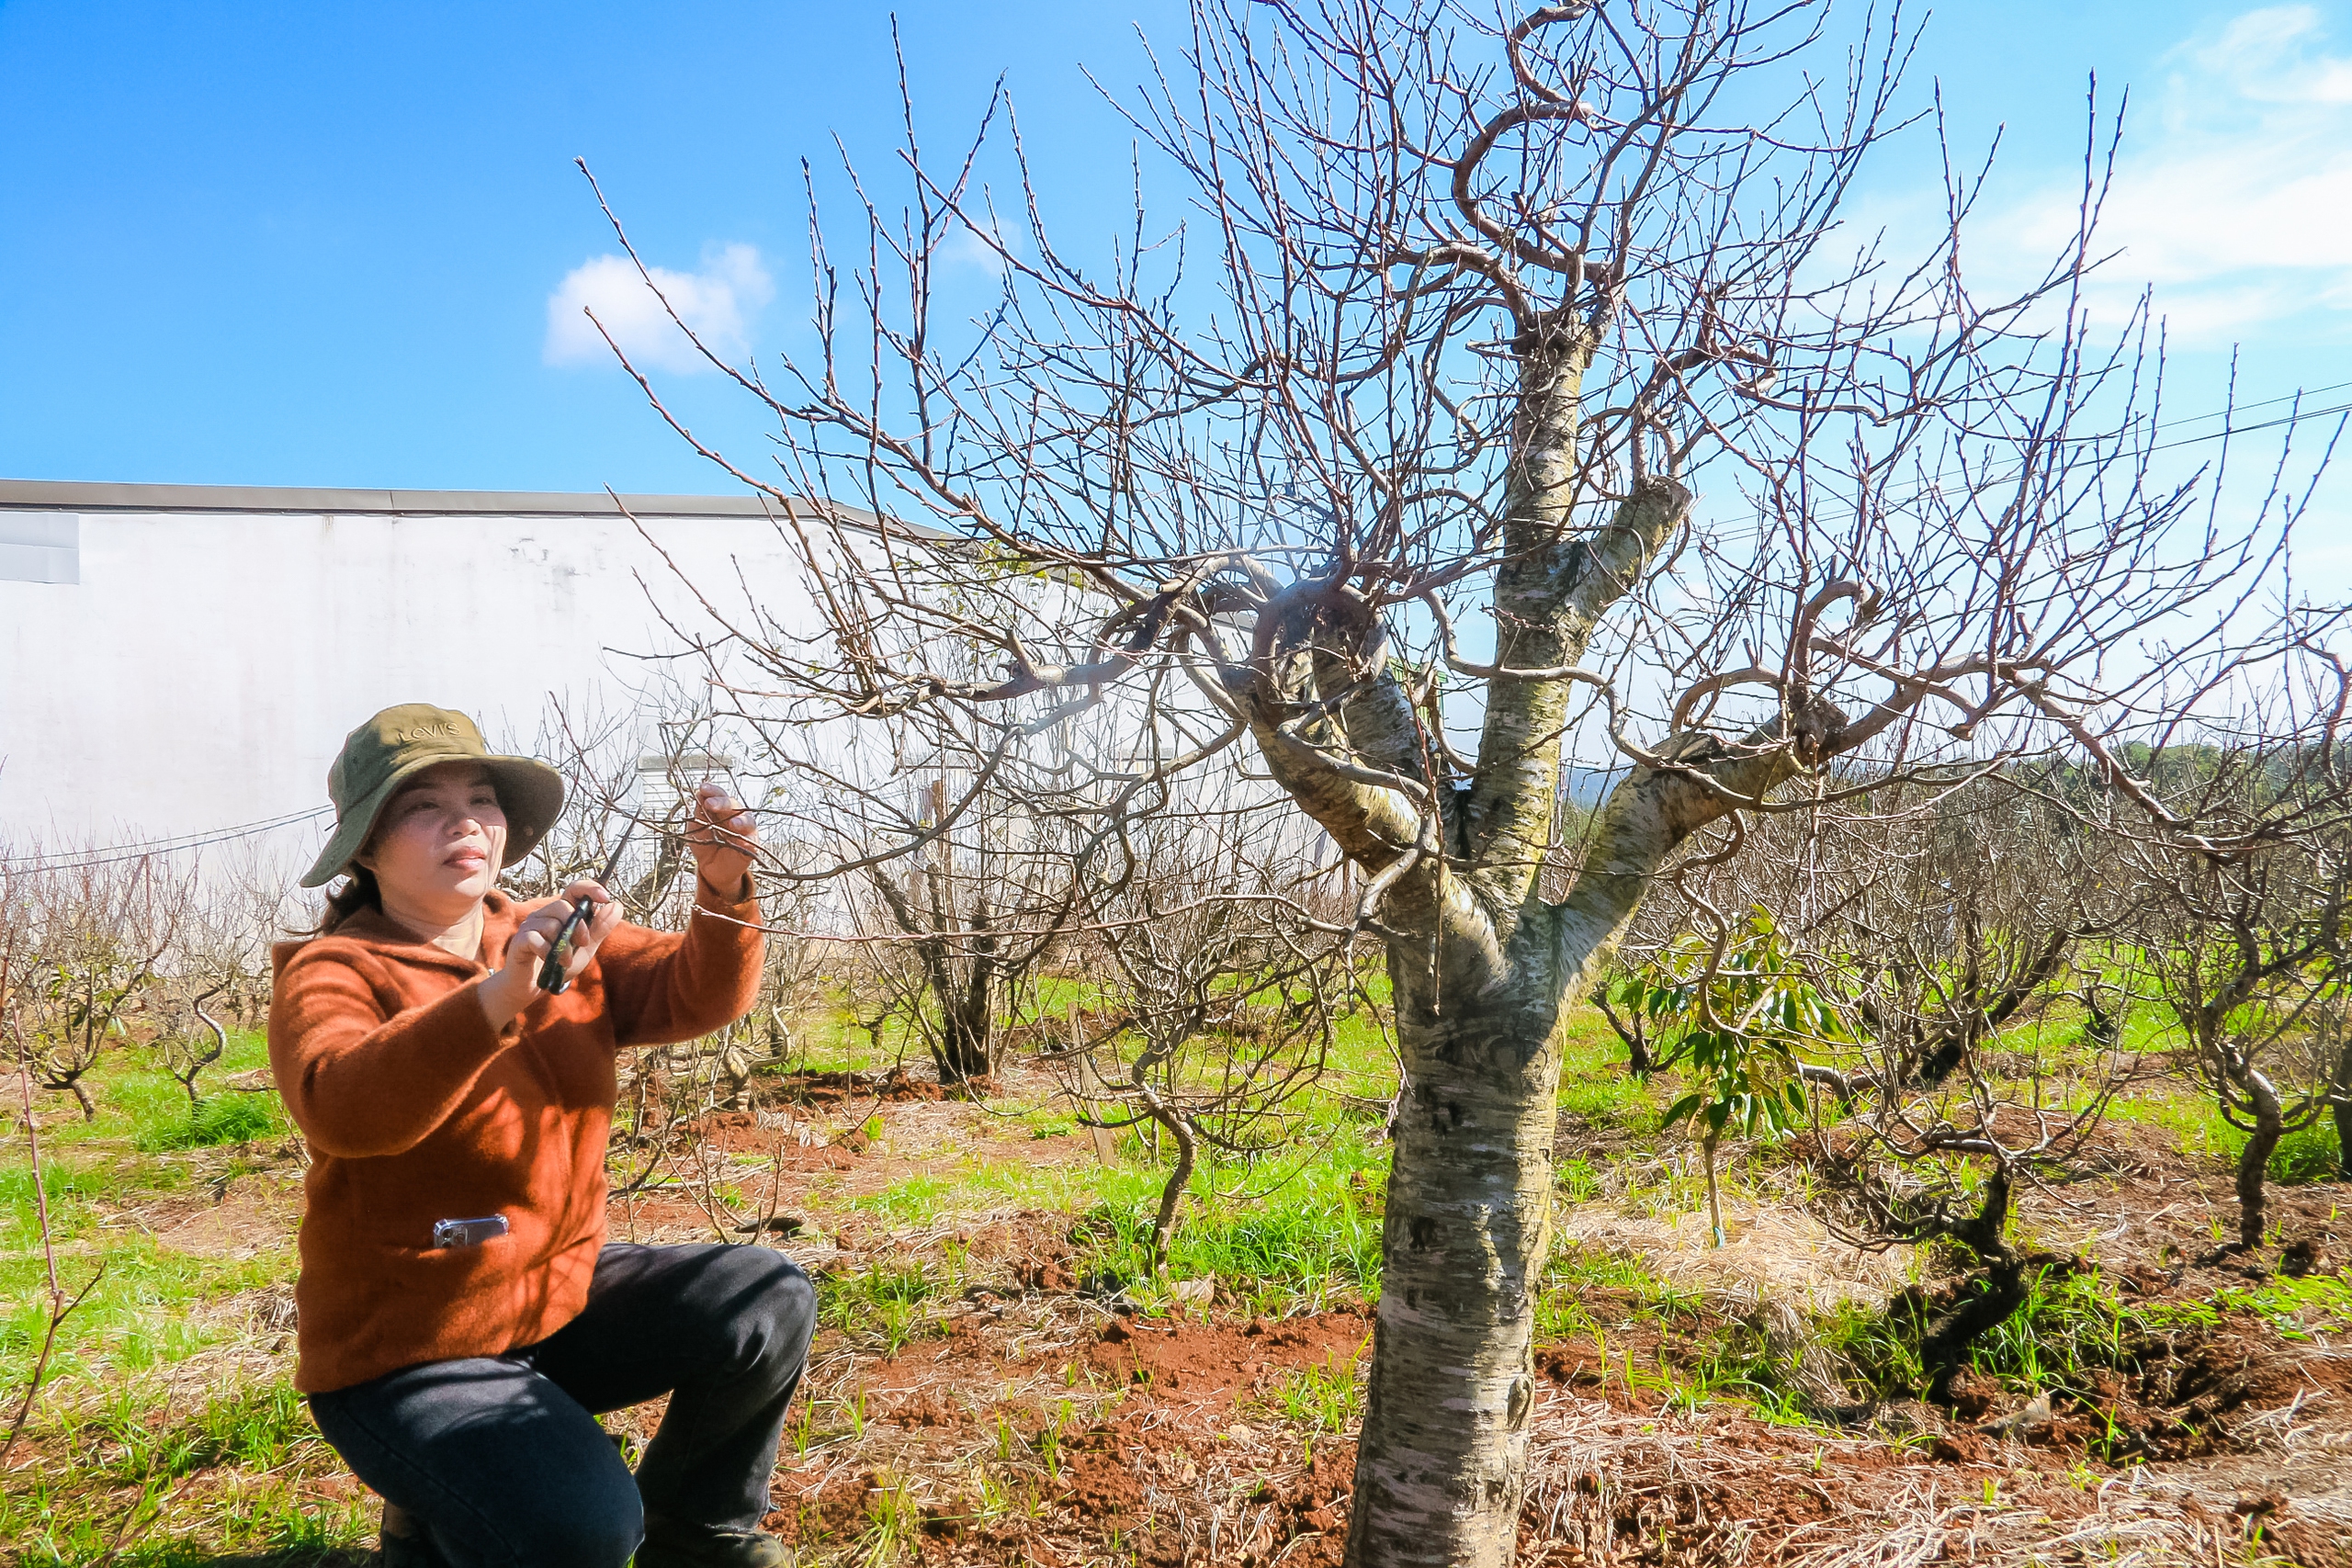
[75,495]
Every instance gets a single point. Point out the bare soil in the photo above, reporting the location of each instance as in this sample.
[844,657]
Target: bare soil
[2231,1442]
[1028,1421]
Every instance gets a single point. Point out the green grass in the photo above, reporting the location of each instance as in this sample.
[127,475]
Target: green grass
[2199,1133]
[1311,1242]
[2067,1328]
[886,1305]
[258,1427]
[140,1314]
[258,1441]
[1577,1279]
[2316,1307]
[1594,1082]
[1323,1399]
[2071,1329]
[230,1118]
[2311,1154]
[1295,1230]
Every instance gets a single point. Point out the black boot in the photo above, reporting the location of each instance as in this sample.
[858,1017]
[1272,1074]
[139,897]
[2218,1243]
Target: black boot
[405,1545]
[672,1543]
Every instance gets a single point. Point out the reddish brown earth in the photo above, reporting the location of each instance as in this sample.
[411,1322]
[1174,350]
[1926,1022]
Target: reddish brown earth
[1117,1424]
[1033,1426]
[1041,1428]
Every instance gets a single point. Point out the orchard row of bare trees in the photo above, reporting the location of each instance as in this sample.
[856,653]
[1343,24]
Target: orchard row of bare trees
[1948,995]
[117,950]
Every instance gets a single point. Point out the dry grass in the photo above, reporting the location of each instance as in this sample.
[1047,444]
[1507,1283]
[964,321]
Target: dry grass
[1774,1252]
[1611,1485]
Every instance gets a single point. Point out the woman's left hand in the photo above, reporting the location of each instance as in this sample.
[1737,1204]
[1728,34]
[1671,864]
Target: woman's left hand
[723,838]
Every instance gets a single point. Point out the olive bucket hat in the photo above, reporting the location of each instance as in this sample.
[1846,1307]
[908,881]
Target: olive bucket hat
[399,742]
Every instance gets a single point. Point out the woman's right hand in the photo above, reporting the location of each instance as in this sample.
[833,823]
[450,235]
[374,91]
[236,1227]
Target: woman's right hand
[515,985]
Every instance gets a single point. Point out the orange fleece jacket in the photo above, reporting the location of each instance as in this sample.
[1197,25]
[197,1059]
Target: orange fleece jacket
[417,1111]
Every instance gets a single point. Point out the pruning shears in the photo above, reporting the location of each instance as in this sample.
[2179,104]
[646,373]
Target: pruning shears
[552,976]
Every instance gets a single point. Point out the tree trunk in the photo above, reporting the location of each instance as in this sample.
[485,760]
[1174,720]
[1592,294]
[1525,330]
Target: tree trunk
[1481,964]
[1945,1339]
[962,1052]
[1983,1015]
[1441,1460]
[1479,986]
[205,1058]
[1714,1197]
[1443,1452]
[1187,1150]
[1637,1050]
[1986,1303]
[2253,1167]
[965,1048]
[2342,1086]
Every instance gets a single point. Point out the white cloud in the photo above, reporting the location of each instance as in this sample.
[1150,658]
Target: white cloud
[717,302]
[2234,199]
[964,248]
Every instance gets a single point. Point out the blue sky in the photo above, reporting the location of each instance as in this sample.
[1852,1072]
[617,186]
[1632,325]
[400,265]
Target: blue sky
[317,243]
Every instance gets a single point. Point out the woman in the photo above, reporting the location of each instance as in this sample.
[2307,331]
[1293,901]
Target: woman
[462,1318]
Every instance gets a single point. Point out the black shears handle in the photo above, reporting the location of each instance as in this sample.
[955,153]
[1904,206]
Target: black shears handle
[551,968]
[552,978]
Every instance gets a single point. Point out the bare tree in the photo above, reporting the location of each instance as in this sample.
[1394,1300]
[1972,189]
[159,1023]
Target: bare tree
[969,921]
[1918,931]
[241,904]
[184,1037]
[217,974]
[1467,310]
[14,923]
[1976,912]
[628,787]
[768,1034]
[1215,992]
[100,929]
[2247,951]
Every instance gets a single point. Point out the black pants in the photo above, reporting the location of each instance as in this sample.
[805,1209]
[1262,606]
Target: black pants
[500,1458]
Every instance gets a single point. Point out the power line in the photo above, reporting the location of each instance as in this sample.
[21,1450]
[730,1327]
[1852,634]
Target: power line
[115,854]
[2296,396]
[2296,418]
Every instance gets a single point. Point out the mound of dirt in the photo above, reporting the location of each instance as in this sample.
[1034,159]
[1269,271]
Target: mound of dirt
[835,1512]
[1202,1361]
[799,1145]
[2207,1378]
[2208,1390]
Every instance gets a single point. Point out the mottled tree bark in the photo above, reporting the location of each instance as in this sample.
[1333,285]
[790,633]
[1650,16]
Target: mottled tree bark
[2254,1160]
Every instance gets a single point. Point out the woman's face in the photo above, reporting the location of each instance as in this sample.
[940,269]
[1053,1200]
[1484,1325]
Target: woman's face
[437,849]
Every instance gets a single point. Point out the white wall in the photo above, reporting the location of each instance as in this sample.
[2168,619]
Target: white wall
[204,669]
